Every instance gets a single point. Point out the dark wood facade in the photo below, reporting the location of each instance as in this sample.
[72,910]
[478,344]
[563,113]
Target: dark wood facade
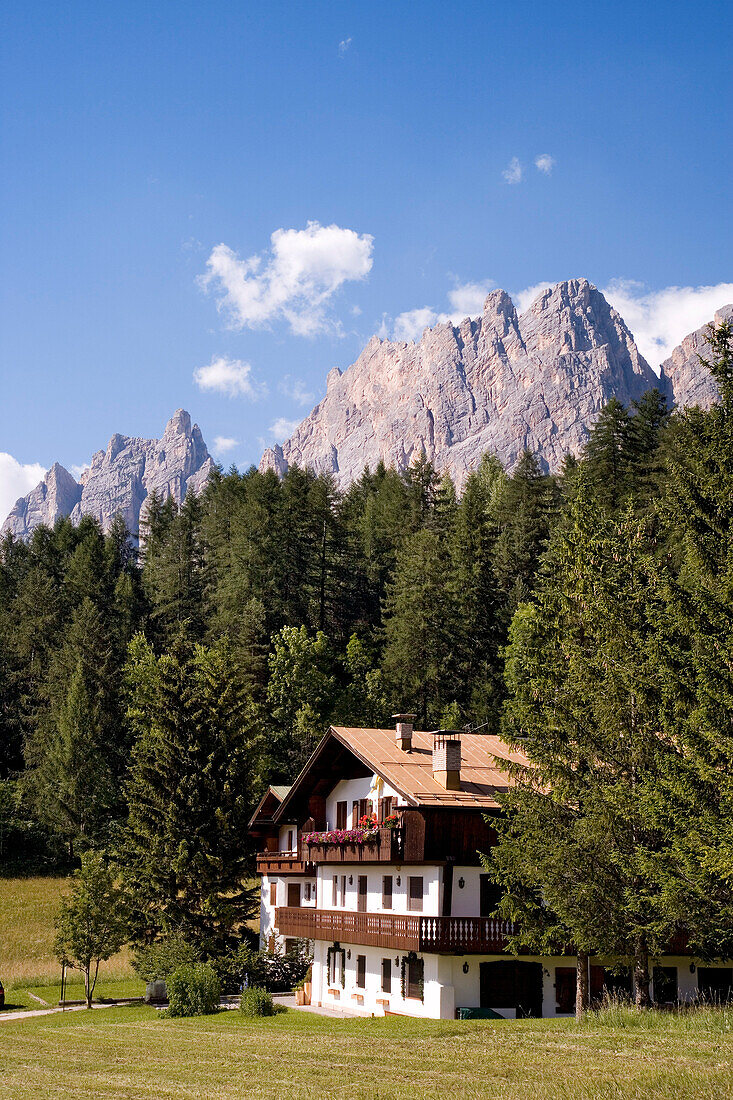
[284,863]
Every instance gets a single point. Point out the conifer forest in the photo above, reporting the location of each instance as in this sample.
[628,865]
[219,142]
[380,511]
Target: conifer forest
[150,690]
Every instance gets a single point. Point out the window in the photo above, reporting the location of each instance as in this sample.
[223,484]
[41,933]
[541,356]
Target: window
[386,891]
[290,946]
[273,893]
[363,807]
[294,895]
[415,894]
[490,895]
[715,983]
[361,901]
[290,840]
[386,975]
[307,889]
[341,813]
[361,971]
[415,978]
[385,808]
[565,979]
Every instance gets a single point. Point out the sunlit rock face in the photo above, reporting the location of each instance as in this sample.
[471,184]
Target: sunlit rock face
[501,383]
[119,480]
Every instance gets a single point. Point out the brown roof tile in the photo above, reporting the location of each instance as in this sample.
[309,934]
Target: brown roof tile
[411,773]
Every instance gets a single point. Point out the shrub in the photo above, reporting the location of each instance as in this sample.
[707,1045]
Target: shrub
[256,1002]
[193,990]
[160,959]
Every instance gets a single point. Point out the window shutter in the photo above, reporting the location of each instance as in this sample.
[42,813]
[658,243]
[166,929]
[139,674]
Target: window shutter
[415,894]
[273,893]
[361,971]
[386,975]
[354,814]
[386,892]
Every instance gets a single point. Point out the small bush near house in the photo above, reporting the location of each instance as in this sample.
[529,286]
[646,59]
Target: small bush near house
[256,1002]
[193,990]
[159,960]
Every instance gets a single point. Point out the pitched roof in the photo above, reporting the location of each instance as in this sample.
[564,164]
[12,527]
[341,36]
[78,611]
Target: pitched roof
[411,773]
[272,794]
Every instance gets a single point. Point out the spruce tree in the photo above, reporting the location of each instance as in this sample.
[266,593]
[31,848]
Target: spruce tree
[584,849]
[194,780]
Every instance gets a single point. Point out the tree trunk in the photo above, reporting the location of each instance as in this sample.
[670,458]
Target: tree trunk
[88,986]
[642,998]
[582,998]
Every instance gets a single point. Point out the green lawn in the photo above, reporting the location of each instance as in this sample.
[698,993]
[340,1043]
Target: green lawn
[132,1052]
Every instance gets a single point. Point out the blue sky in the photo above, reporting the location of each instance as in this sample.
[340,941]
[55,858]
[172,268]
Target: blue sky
[144,145]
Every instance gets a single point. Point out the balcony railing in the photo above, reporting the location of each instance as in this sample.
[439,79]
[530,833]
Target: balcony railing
[384,847]
[284,863]
[397,931]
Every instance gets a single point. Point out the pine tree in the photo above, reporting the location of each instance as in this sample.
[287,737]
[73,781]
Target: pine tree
[193,783]
[606,455]
[420,629]
[584,851]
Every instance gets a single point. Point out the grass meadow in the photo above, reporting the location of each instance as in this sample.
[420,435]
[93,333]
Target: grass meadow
[133,1052]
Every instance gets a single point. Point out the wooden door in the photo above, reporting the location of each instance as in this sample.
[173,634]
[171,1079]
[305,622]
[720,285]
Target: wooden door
[565,983]
[512,984]
[294,895]
[361,900]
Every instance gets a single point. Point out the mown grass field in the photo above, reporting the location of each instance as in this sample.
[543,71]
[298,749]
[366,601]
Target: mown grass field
[132,1052]
[27,961]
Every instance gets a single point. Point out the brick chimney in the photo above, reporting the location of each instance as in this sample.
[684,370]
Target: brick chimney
[403,730]
[447,759]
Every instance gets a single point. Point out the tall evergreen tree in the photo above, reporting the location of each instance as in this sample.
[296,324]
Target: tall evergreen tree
[194,780]
[583,851]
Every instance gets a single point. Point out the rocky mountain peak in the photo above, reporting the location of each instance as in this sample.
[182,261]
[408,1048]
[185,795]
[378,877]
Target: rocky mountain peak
[501,383]
[687,381]
[119,480]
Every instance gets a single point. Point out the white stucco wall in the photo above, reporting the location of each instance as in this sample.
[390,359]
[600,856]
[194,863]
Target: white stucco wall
[431,877]
[350,791]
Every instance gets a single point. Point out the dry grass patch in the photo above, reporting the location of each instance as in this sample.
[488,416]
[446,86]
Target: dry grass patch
[27,910]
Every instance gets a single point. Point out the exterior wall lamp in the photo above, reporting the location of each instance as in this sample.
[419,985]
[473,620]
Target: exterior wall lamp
[399,881]
[397,961]
[351,880]
[692,968]
[461,882]
[348,954]
[465,968]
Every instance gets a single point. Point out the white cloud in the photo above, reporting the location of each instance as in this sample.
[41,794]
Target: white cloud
[295,389]
[410,325]
[230,376]
[660,319]
[344,45]
[224,443]
[466,300]
[295,282]
[513,172]
[283,428]
[523,298]
[544,163]
[16,480]
[77,471]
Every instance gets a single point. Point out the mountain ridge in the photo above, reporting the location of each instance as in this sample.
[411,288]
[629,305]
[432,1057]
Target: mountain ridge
[500,383]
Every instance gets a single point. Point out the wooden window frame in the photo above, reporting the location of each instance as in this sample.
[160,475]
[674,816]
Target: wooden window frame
[386,975]
[342,814]
[361,971]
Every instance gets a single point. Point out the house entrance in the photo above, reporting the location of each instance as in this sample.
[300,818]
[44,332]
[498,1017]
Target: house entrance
[510,983]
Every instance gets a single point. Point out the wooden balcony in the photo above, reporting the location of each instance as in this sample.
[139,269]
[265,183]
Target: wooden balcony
[397,931]
[384,848]
[284,863]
